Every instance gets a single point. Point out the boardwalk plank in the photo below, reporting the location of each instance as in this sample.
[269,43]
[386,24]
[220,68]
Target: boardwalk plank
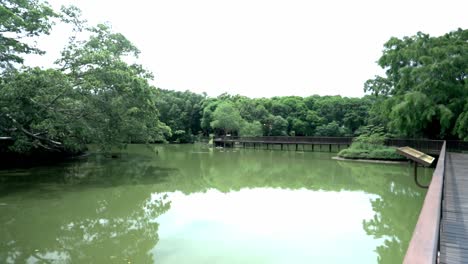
[454,222]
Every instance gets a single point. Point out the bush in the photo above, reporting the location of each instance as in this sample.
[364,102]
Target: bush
[369,142]
[385,154]
[180,136]
[353,153]
[370,147]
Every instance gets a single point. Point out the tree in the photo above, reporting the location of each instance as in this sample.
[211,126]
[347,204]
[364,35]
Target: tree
[425,87]
[209,107]
[41,110]
[253,129]
[21,20]
[313,120]
[299,127]
[95,98]
[226,118]
[123,103]
[331,129]
[294,115]
[181,112]
[279,126]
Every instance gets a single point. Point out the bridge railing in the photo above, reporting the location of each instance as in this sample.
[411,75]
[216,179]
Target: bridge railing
[457,145]
[423,247]
[288,139]
[424,145]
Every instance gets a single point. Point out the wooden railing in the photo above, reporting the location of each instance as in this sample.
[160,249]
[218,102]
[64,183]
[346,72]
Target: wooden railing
[457,145]
[425,145]
[423,247]
[289,140]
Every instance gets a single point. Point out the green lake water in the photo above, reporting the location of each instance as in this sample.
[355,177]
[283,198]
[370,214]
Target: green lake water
[193,204]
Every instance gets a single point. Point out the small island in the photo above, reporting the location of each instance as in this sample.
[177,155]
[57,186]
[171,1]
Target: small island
[370,147]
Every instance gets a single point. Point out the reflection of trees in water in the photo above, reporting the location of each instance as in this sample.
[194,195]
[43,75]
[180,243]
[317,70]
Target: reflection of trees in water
[396,207]
[115,224]
[88,223]
[84,236]
[396,210]
[96,171]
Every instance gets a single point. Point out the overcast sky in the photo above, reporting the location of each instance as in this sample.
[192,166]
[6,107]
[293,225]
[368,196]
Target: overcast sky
[263,48]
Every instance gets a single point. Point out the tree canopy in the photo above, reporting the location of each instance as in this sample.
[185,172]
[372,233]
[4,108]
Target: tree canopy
[292,115]
[21,20]
[226,118]
[425,90]
[94,97]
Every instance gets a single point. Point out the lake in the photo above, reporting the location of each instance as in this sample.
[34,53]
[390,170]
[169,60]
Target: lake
[194,204]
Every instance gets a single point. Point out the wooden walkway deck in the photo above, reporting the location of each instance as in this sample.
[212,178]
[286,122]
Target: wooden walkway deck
[424,145]
[454,222]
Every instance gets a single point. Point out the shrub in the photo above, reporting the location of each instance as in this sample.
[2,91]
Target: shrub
[353,153]
[385,154]
[370,147]
[381,154]
[369,142]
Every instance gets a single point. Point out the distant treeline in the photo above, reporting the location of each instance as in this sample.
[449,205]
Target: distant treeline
[94,95]
[188,114]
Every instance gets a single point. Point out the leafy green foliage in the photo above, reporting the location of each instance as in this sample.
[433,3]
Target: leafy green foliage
[278,126]
[182,112]
[253,129]
[385,154]
[20,20]
[96,97]
[123,103]
[461,126]
[371,141]
[331,129]
[425,90]
[370,146]
[376,154]
[40,109]
[226,118]
[293,115]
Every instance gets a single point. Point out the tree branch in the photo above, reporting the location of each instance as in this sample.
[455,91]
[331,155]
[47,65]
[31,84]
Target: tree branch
[36,136]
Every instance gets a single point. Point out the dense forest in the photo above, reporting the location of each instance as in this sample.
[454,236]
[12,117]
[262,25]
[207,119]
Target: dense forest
[189,114]
[94,95]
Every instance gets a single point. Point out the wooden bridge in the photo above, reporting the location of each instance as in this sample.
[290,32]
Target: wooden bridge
[267,142]
[308,143]
[441,233]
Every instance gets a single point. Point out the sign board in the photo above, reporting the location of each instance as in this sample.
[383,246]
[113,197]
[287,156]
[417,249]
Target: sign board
[416,155]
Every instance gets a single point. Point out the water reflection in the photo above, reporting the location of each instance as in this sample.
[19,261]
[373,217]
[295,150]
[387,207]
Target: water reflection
[266,225]
[94,226]
[178,205]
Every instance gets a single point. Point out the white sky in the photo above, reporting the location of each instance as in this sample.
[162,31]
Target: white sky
[263,48]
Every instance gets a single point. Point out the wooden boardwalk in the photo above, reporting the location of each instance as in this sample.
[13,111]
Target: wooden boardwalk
[454,222]
[427,146]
